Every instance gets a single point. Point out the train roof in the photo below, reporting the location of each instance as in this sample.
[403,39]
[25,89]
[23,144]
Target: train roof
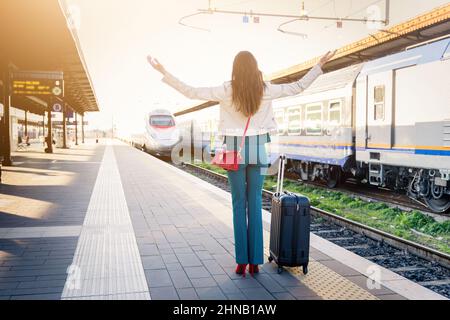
[160,112]
[335,80]
[332,85]
[420,54]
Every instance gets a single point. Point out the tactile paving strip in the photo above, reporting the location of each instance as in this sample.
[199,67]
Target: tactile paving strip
[107,264]
[326,283]
[329,285]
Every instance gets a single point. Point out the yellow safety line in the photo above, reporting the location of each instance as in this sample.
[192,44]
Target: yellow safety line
[326,283]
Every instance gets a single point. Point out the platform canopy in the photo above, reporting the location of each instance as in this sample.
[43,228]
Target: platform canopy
[419,29]
[35,36]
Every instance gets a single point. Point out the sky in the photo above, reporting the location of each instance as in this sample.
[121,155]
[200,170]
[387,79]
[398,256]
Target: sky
[117,35]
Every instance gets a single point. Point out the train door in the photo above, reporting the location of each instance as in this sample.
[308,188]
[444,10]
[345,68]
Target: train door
[380,110]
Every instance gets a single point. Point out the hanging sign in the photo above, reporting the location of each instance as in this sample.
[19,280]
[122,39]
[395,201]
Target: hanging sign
[70,123]
[57,107]
[69,114]
[37,83]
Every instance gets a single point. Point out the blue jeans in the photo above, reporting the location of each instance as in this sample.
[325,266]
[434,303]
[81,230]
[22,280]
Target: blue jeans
[246,190]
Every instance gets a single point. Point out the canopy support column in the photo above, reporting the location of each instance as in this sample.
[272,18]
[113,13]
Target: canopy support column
[26,123]
[49,148]
[64,126]
[6,125]
[76,128]
[43,124]
[82,128]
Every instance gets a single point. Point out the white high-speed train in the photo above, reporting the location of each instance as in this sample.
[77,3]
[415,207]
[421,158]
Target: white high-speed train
[161,133]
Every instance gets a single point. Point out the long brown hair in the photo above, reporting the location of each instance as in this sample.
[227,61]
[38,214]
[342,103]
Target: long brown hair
[248,84]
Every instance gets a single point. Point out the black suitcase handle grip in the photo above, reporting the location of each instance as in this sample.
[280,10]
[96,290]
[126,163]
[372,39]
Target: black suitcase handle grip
[280,179]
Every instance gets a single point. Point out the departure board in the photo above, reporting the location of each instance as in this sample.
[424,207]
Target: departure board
[37,84]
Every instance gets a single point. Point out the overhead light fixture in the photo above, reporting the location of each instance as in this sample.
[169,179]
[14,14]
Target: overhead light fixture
[303,11]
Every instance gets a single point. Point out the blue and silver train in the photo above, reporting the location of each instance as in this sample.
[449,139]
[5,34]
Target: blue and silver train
[385,122]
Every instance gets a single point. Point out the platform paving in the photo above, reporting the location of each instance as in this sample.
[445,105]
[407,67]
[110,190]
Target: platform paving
[110,222]
[43,202]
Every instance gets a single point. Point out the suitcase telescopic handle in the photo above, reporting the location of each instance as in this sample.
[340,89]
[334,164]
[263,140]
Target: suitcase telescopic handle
[280,179]
[278,176]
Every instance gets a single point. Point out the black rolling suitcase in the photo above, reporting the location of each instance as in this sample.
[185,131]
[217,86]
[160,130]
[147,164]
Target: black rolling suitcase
[290,227]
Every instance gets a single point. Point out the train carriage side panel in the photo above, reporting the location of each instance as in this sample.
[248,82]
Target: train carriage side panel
[402,112]
[421,119]
[318,124]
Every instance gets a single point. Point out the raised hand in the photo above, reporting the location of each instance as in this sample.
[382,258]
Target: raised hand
[327,57]
[156,65]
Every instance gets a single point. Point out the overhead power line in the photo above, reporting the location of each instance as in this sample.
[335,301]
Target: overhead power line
[303,16]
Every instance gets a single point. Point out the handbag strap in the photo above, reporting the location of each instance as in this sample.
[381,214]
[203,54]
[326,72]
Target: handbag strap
[245,134]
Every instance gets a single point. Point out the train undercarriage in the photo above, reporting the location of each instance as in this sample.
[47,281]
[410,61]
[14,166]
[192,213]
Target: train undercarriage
[428,186]
[310,171]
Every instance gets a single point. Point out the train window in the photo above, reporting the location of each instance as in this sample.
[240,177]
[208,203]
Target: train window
[202,127]
[294,121]
[279,119]
[314,119]
[379,98]
[162,121]
[334,113]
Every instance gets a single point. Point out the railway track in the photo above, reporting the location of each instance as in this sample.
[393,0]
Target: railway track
[423,265]
[373,194]
[391,198]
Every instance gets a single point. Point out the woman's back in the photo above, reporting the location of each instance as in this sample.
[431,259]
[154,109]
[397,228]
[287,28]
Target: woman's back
[247,95]
[232,121]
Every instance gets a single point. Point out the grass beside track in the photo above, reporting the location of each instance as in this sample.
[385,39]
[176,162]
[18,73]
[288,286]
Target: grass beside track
[414,225]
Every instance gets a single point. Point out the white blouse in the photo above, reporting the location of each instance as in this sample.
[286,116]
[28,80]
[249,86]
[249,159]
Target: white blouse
[232,123]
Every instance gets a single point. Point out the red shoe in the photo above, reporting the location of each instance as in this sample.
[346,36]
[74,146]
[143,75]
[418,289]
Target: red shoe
[253,268]
[241,268]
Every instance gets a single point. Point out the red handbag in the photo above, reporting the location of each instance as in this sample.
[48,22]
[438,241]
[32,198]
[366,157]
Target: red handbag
[229,160]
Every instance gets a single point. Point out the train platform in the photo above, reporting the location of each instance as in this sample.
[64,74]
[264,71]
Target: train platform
[107,221]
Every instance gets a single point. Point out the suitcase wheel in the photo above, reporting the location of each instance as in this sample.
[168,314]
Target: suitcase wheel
[305,269]
[270,258]
[280,270]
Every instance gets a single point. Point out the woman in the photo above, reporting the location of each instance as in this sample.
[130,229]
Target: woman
[246,101]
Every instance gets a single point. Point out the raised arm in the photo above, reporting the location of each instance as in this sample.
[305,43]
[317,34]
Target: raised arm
[196,93]
[295,88]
